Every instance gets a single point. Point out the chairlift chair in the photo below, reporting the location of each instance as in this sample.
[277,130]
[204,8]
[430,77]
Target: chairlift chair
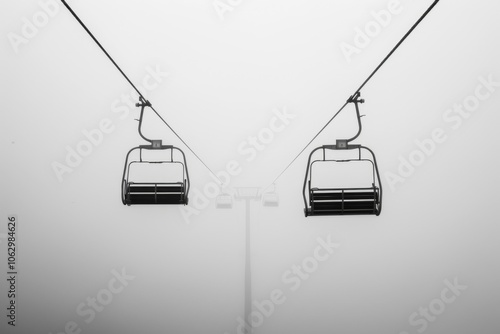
[337,201]
[271,198]
[165,191]
[247,193]
[224,201]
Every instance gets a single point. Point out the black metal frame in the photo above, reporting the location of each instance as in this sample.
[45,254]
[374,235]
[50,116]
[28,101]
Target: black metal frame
[154,193]
[270,198]
[343,201]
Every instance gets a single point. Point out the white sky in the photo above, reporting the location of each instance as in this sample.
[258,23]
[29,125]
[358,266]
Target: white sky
[226,79]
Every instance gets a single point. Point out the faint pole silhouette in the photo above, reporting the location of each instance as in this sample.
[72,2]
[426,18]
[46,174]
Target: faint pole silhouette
[248,194]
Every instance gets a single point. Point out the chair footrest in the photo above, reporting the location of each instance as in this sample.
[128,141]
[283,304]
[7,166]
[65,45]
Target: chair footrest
[144,199]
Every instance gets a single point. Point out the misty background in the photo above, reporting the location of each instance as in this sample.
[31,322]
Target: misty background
[220,78]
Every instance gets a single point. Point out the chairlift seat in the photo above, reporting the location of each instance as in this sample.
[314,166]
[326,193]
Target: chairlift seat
[337,202]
